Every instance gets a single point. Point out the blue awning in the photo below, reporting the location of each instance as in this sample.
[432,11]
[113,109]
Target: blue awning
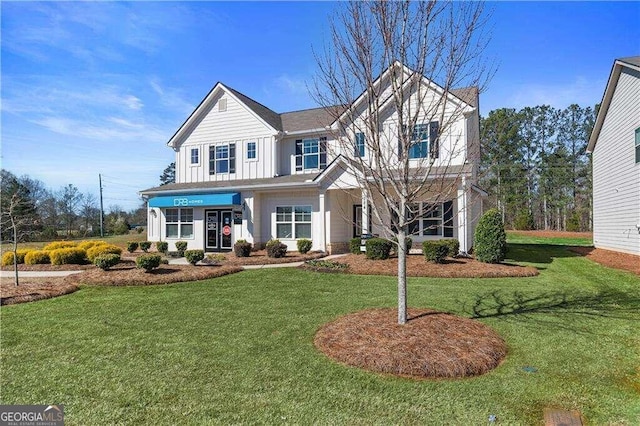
[201,200]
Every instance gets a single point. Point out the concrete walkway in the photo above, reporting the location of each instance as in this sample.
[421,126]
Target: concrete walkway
[37,274]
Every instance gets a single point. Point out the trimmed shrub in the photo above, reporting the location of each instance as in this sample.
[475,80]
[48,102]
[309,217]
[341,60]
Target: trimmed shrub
[490,239]
[194,256]
[68,256]
[37,257]
[276,249]
[354,245]
[242,248]
[304,245]
[7,257]
[86,245]
[106,261]
[145,245]
[99,250]
[162,246]
[435,251]
[181,246]
[59,245]
[132,246]
[524,221]
[148,262]
[378,248]
[408,244]
[453,245]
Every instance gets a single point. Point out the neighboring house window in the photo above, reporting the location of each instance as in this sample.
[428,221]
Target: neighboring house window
[638,145]
[359,148]
[424,141]
[179,223]
[311,154]
[222,158]
[293,222]
[251,151]
[195,156]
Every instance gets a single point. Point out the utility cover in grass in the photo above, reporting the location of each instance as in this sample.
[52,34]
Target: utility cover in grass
[430,345]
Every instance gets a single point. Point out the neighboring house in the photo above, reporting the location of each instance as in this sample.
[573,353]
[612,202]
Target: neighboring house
[615,149]
[244,171]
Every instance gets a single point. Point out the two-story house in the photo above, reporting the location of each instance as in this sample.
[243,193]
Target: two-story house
[246,172]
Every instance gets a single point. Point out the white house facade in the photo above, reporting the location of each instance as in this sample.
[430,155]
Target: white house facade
[615,148]
[246,172]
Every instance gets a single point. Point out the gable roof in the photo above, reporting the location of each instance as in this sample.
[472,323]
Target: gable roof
[308,119]
[632,62]
[271,117]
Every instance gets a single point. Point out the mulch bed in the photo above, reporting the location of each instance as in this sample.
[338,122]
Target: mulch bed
[417,266]
[260,258]
[431,345]
[612,259]
[126,273]
[32,289]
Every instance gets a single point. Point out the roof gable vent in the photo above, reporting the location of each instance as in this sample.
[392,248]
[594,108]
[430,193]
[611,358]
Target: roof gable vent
[222,105]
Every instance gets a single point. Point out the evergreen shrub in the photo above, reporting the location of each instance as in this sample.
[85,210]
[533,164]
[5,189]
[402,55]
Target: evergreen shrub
[181,246]
[454,246]
[304,245]
[378,248]
[148,262]
[68,256]
[59,245]
[490,239]
[194,256]
[101,249]
[132,246]
[37,257]
[354,245]
[106,261]
[435,251]
[276,249]
[242,248]
[162,246]
[145,246]
[7,257]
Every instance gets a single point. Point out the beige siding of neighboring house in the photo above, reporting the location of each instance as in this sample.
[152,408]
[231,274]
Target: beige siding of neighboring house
[616,176]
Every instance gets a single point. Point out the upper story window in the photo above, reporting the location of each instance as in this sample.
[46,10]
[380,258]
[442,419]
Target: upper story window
[252,152]
[311,154]
[195,156]
[360,143]
[424,141]
[638,145]
[179,223]
[222,158]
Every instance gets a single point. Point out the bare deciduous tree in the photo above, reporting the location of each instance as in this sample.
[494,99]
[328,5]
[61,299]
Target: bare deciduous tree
[377,79]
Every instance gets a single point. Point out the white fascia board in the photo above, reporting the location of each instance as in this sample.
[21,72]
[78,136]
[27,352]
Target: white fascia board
[252,112]
[193,117]
[306,132]
[604,104]
[305,184]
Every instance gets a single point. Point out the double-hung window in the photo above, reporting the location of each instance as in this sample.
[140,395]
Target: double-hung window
[638,145]
[293,222]
[419,141]
[359,146]
[179,223]
[311,154]
[222,158]
[432,219]
[195,156]
[251,151]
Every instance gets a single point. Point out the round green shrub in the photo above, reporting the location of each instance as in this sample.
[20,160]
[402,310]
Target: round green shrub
[68,256]
[37,257]
[242,248]
[132,246]
[378,248]
[106,261]
[304,245]
[490,239]
[162,246]
[7,257]
[148,262]
[145,245]
[181,246]
[435,251]
[194,256]
[354,245]
[454,246]
[276,249]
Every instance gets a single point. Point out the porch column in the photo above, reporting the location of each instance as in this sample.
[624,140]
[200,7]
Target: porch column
[462,217]
[322,229]
[365,214]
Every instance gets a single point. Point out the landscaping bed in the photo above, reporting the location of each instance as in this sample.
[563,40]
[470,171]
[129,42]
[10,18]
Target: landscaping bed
[611,259]
[417,266]
[32,289]
[260,258]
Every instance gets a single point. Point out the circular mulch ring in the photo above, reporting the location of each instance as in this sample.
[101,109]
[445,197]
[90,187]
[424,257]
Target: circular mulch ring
[431,345]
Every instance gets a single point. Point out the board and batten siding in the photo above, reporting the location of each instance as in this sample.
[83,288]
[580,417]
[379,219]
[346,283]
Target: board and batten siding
[616,175]
[235,125]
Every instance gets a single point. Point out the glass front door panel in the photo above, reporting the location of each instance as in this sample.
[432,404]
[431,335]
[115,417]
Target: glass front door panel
[227,230]
[212,230]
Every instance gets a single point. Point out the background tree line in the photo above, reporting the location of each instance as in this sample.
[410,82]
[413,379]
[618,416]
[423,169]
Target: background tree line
[535,166]
[47,214]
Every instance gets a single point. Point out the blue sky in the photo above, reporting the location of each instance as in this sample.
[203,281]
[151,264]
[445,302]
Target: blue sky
[100,87]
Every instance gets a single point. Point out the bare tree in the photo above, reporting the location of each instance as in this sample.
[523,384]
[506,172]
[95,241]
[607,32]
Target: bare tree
[69,200]
[377,80]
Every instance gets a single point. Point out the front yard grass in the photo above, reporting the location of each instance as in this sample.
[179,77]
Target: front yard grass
[239,349]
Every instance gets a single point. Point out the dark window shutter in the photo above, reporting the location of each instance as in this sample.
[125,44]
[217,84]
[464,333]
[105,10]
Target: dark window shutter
[232,158]
[212,160]
[447,219]
[434,143]
[298,155]
[323,153]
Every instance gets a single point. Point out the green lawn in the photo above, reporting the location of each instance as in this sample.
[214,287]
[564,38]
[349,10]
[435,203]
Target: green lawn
[579,240]
[238,349]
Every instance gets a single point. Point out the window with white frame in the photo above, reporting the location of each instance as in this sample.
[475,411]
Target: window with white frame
[222,158]
[359,146]
[195,156]
[293,222]
[428,219]
[311,154]
[179,223]
[252,152]
[638,145]
[419,141]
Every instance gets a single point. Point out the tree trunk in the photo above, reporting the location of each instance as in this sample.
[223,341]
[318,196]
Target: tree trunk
[15,251]
[402,277]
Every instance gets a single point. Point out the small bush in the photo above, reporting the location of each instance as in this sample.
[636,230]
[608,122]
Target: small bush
[68,256]
[148,262]
[490,244]
[162,246]
[354,245]
[215,259]
[181,246]
[276,249]
[59,245]
[194,256]
[145,245]
[132,246]
[435,251]
[86,245]
[7,257]
[99,250]
[453,245]
[37,257]
[106,261]
[378,248]
[304,245]
[242,248]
